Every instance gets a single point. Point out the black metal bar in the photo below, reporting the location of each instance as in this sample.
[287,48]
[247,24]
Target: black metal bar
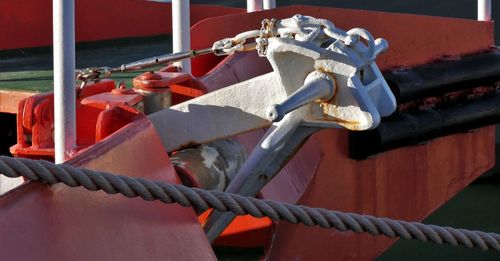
[445,76]
[162,59]
[434,79]
[411,128]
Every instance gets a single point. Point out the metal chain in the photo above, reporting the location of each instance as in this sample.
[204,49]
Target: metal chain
[47,172]
[301,27]
[92,74]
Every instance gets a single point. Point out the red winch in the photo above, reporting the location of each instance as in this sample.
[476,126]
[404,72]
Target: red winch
[102,108]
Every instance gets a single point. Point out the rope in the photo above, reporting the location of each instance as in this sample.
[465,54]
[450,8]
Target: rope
[47,172]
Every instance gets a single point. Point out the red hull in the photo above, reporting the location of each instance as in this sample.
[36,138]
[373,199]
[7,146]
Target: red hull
[28,23]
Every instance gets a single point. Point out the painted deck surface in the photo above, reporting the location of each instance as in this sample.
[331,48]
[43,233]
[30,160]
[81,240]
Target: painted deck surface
[31,69]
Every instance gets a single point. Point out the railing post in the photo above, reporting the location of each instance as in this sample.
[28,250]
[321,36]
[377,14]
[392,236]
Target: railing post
[484,10]
[269,4]
[63,12]
[181,30]
[254,5]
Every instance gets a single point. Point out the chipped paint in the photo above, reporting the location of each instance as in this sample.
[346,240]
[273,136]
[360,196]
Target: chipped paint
[210,166]
[209,156]
[8,184]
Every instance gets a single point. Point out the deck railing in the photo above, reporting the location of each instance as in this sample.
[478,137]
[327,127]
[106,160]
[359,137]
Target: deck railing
[484,10]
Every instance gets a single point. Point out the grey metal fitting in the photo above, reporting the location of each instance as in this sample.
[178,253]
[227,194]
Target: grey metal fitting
[210,166]
[155,100]
[317,86]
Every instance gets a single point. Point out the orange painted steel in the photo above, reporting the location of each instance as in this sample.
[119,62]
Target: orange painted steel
[100,112]
[413,39]
[61,223]
[183,86]
[408,183]
[28,23]
[151,80]
[101,109]
[9,100]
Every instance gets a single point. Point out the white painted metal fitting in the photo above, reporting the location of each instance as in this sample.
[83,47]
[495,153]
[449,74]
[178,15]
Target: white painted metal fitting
[484,10]
[181,35]
[362,99]
[269,4]
[254,5]
[64,79]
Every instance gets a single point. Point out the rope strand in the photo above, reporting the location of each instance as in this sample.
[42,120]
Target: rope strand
[201,200]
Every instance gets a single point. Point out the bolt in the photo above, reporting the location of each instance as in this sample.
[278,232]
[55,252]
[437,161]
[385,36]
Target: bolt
[298,17]
[122,85]
[274,113]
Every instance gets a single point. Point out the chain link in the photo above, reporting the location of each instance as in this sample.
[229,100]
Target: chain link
[302,28]
[92,74]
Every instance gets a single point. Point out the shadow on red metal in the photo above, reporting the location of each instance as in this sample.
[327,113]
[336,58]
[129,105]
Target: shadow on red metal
[61,223]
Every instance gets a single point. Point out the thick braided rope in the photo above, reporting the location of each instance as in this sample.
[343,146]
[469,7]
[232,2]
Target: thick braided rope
[50,173]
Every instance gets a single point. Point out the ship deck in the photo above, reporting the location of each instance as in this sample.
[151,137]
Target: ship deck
[476,207]
[29,71]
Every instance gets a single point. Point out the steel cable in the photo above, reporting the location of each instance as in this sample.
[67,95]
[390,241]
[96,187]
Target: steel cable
[47,172]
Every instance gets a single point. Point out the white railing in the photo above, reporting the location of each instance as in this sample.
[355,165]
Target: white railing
[257,5]
[64,78]
[269,4]
[254,5]
[181,37]
[484,10]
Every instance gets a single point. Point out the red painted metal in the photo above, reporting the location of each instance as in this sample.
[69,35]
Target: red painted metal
[116,97]
[182,85]
[151,80]
[112,119]
[28,23]
[61,223]
[101,109]
[96,118]
[425,45]
[244,232]
[423,177]
[321,174]
[407,183]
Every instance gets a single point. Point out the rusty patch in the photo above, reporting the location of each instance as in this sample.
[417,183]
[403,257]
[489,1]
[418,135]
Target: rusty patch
[331,103]
[449,97]
[351,125]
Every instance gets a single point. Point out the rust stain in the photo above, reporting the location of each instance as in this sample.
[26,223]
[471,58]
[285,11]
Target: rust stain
[331,104]
[349,124]
[448,97]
